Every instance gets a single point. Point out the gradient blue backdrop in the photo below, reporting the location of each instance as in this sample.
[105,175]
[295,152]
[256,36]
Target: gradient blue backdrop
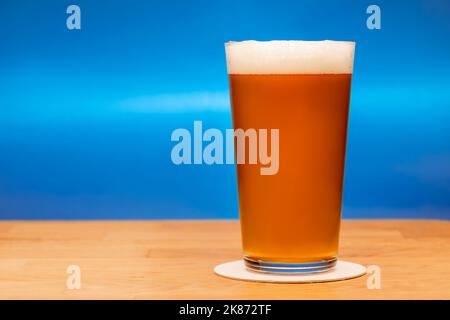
[86,115]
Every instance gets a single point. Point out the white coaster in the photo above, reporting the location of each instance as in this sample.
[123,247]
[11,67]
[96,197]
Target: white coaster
[342,271]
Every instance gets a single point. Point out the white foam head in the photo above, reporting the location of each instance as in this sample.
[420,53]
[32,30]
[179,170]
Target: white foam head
[290,57]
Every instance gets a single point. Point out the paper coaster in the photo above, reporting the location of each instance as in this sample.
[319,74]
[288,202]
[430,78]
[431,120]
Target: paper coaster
[342,271]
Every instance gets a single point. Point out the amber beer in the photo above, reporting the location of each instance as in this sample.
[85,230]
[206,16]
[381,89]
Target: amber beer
[290,221]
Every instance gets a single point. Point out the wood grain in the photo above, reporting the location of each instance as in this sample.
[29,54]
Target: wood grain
[175,260]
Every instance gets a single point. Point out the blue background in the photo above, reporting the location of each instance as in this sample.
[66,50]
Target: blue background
[86,115]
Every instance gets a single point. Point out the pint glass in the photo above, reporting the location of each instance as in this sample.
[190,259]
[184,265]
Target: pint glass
[290,220]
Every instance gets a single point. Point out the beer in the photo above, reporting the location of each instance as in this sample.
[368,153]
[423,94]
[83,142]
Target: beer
[290,221]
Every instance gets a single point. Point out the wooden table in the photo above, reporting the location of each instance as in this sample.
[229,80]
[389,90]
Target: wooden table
[175,260]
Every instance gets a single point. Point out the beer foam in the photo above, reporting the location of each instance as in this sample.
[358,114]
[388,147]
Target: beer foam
[290,57]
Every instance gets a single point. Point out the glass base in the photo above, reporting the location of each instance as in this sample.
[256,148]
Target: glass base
[289,268]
